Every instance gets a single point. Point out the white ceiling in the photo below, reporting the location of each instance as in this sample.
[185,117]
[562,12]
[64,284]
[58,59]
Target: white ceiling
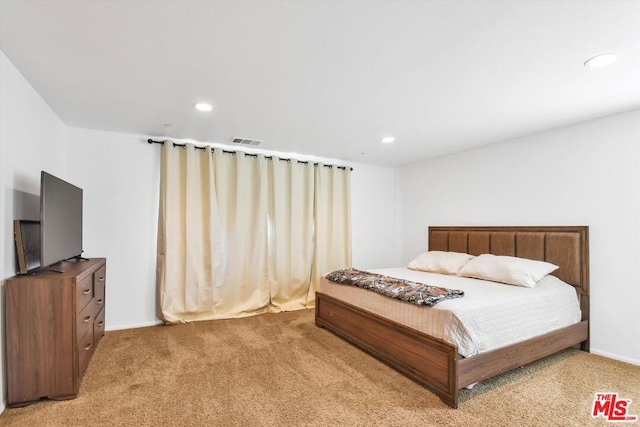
[328,78]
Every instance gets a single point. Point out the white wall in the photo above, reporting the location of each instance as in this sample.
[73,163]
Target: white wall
[586,174]
[32,138]
[119,174]
[373,217]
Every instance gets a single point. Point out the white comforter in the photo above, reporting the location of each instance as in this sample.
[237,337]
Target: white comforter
[489,316]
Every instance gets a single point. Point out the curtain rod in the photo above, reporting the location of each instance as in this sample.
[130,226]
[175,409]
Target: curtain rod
[175,144]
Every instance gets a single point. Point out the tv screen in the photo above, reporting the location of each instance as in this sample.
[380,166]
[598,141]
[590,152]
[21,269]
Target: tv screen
[60,220]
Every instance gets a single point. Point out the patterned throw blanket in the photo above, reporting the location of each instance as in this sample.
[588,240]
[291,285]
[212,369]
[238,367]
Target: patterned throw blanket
[405,290]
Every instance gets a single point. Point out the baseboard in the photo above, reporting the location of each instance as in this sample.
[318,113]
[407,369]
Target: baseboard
[615,356]
[134,325]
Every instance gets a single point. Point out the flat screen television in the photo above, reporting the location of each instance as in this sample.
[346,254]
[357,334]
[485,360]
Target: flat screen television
[60,220]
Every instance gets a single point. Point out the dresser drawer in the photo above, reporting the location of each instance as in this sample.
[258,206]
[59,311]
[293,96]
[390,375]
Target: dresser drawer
[99,280]
[97,303]
[84,321]
[84,291]
[85,350]
[98,327]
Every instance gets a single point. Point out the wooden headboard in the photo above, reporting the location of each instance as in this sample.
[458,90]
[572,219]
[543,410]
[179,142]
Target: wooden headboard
[564,246]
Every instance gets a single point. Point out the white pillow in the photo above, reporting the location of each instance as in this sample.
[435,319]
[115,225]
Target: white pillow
[507,269]
[440,262]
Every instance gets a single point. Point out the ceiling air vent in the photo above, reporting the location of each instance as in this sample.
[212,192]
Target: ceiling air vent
[247,141]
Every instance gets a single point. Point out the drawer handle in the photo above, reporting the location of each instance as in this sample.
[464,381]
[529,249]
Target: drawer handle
[99,301]
[101,279]
[86,319]
[88,346]
[100,324]
[86,291]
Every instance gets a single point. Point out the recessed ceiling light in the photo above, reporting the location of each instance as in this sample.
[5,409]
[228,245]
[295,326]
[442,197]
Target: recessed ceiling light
[387,139]
[203,106]
[601,60]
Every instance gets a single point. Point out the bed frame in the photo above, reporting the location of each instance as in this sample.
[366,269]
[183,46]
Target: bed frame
[435,363]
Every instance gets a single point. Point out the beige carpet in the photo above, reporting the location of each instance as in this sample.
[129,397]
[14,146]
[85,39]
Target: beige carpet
[281,370]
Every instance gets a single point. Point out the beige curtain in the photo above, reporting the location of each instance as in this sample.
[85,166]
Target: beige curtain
[290,233]
[241,235]
[212,235]
[332,245]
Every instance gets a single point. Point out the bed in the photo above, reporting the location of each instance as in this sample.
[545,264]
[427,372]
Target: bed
[436,363]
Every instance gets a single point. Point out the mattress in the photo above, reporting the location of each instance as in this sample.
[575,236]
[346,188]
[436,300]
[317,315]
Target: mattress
[489,316]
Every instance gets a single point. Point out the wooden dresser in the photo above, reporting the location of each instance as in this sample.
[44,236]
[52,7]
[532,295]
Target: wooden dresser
[54,322]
